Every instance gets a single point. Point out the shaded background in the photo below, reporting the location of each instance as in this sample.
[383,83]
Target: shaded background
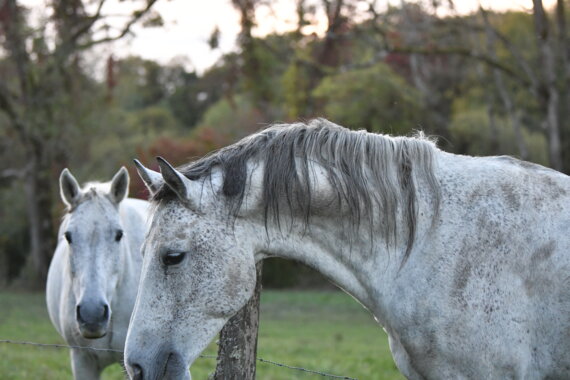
[75,91]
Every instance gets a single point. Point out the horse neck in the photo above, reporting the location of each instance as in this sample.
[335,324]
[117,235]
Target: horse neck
[362,266]
[361,263]
[321,249]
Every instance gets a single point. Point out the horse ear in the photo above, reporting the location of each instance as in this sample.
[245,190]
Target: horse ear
[152,180]
[178,182]
[119,186]
[69,188]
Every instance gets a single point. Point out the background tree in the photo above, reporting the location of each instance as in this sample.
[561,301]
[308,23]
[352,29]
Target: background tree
[45,101]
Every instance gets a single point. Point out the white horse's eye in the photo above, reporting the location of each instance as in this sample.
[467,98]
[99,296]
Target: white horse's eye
[67,235]
[172,258]
[118,235]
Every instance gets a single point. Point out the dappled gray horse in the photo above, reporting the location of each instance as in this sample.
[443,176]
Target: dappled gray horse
[93,277]
[464,261]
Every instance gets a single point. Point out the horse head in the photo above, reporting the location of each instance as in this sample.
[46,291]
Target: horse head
[196,276]
[95,238]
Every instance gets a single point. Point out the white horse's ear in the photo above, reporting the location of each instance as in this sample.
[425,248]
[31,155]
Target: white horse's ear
[179,183]
[69,188]
[119,186]
[152,180]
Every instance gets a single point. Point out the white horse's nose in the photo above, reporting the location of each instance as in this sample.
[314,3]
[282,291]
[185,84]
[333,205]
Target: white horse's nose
[92,314]
[92,318]
[137,372]
[166,365]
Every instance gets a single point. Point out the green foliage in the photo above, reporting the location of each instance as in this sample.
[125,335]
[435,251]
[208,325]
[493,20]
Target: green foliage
[140,83]
[233,117]
[296,88]
[519,28]
[326,331]
[258,62]
[188,101]
[374,98]
[471,134]
[153,119]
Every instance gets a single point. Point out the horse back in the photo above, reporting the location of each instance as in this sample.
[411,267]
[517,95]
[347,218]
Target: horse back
[493,276]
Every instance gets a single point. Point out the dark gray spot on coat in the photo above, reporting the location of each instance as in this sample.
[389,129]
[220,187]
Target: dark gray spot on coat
[535,282]
[461,277]
[510,194]
[543,253]
[552,187]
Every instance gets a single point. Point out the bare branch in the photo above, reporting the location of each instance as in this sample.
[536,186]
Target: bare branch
[91,21]
[126,30]
[527,80]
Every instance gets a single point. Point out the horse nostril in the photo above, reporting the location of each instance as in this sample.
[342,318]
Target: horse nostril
[137,372]
[105,311]
[78,313]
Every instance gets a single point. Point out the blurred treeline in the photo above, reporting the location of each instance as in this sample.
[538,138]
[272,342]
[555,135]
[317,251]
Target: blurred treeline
[484,83]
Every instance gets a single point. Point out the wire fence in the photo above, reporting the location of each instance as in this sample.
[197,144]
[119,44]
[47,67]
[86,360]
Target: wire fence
[301,369]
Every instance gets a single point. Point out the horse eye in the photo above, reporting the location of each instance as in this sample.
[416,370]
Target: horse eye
[118,235]
[67,236]
[173,258]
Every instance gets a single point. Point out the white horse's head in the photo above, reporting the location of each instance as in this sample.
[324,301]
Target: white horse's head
[195,276]
[95,239]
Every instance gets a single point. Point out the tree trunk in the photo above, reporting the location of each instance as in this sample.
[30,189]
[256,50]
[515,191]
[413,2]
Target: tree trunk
[39,202]
[237,353]
[549,94]
[563,49]
[331,49]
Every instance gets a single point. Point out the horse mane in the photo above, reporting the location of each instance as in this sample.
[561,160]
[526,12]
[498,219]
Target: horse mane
[366,171]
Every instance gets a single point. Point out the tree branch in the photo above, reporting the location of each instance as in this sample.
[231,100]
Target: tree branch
[92,20]
[136,17]
[387,47]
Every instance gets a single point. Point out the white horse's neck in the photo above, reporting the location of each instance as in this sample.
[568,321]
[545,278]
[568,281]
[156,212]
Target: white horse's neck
[321,250]
[362,264]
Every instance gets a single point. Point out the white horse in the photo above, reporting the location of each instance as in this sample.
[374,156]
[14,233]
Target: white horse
[465,261]
[93,277]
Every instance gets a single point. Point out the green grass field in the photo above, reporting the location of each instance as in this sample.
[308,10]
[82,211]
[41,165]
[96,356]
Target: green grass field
[326,331]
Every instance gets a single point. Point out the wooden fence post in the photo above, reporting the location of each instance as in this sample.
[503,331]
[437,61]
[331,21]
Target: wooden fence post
[237,352]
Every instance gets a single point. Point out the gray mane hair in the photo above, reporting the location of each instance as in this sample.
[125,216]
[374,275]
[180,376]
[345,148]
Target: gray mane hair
[366,171]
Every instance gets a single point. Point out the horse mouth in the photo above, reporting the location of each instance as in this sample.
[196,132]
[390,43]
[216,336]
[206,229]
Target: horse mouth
[92,333]
[166,365]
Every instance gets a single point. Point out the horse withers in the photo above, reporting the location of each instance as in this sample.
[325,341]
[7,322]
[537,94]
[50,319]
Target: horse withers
[93,277]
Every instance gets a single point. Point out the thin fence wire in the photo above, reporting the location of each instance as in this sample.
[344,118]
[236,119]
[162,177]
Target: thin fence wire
[301,369]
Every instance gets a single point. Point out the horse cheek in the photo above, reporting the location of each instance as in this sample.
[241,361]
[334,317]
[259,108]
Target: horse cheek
[239,284]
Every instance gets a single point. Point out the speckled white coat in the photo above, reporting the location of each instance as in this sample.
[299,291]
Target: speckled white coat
[485,293]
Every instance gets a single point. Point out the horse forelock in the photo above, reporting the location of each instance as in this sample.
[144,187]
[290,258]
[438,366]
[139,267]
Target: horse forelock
[366,171]
[92,191]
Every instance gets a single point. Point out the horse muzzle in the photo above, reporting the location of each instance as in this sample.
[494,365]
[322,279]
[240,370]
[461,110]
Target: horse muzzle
[93,319]
[164,366]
